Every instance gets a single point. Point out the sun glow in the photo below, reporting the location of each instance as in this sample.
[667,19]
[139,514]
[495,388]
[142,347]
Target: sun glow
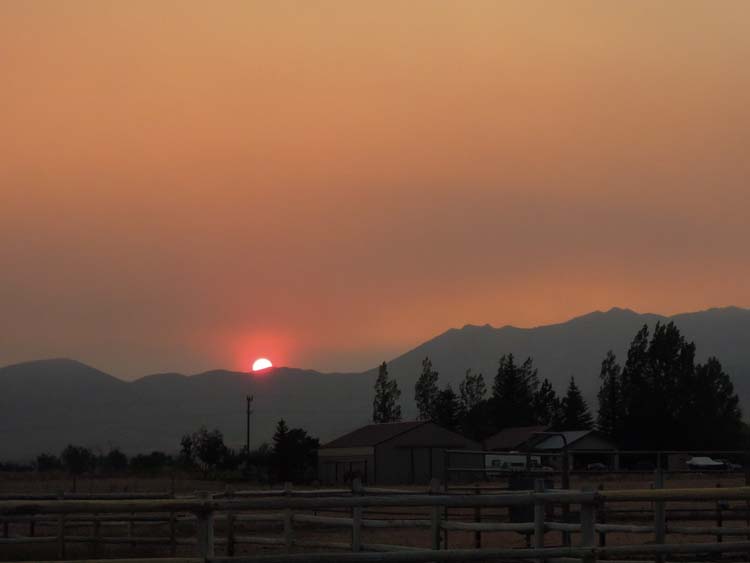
[261,364]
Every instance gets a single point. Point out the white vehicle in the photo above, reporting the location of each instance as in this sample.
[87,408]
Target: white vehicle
[705,464]
[511,462]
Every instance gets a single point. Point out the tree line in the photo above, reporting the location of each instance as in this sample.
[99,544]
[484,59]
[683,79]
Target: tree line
[659,399]
[291,456]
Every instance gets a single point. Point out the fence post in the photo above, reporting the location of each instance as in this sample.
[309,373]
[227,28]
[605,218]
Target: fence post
[61,533]
[478,518]
[566,486]
[97,534]
[602,517]
[539,510]
[205,529]
[719,516]
[230,524]
[288,529]
[446,468]
[131,531]
[172,534]
[588,529]
[660,512]
[435,520]
[356,517]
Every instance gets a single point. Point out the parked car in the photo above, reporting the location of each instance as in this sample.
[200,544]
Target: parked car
[730,465]
[702,463]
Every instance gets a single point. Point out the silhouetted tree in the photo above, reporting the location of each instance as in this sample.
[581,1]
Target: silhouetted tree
[259,463]
[478,423]
[610,415]
[77,460]
[151,463]
[426,391]
[473,390]
[669,402]
[295,454]
[713,418]
[574,412]
[546,404]
[634,386]
[48,462]
[513,393]
[447,409]
[385,406]
[114,461]
[205,450]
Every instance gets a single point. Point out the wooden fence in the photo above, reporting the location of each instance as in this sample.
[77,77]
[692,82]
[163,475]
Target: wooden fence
[293,509]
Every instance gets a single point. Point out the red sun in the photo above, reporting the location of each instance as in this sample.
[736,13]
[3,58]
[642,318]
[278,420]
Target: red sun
[262,364]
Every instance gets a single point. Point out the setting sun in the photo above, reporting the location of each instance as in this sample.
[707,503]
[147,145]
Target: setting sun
[261,363]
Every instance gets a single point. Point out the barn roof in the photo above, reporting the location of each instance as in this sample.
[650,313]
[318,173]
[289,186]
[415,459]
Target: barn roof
[373,434]
[512,438]
[555,442]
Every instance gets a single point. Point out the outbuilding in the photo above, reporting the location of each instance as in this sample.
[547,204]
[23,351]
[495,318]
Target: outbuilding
[516,438]
[390,453]
[584,447]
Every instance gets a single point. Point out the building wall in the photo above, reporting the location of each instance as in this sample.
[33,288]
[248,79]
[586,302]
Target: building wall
[417,456]
[393,465]
[593,442]
[581,460]
[339,465]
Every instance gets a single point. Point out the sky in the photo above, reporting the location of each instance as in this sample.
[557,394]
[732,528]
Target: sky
[190,185]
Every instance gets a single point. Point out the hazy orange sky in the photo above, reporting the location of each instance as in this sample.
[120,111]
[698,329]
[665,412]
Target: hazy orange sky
[188,185]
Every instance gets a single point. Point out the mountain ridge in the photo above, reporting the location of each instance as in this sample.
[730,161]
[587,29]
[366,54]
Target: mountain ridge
[49,403]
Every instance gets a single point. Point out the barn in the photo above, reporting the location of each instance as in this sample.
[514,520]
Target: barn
[583,446]
[390,453]
[516,438]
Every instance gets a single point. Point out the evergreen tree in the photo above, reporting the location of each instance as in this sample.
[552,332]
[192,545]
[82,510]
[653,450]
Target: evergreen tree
[664,400]
[295,454]
[385,406]
[610,416]
[574,412]
[426,391]
[657,380]
[546,404]
[633,385]
[713,417]
[473,390]
[476,414]
[447,409]
[513,393]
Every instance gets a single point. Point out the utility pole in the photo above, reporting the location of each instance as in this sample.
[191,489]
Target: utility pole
[249,412]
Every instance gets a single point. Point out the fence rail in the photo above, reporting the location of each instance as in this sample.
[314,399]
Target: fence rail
[289,510]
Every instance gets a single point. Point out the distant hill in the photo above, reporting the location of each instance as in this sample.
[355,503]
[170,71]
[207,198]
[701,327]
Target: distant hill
[47,404]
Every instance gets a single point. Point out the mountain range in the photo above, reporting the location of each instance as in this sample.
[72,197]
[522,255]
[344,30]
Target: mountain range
[46,404]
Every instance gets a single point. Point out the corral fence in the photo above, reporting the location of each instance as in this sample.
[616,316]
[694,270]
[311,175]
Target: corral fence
[507,471]
[295,509]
